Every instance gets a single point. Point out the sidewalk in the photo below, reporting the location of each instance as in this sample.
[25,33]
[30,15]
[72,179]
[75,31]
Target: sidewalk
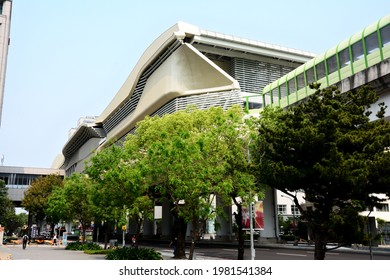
[4,255]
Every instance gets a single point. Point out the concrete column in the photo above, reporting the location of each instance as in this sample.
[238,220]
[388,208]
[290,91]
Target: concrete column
[148,228]
[271,227]
[166,221]
[224,229]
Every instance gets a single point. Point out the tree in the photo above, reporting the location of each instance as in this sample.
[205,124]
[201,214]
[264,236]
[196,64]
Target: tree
[36,196]
[187,157]
[140,201]
[241,170]
[72,201]
[108,195]
[7,208]
[328,147]
[15,223]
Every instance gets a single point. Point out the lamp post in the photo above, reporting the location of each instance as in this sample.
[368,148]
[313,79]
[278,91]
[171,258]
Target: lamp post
[253,252]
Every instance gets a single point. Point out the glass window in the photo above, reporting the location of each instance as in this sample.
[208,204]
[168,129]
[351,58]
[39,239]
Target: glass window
[357,51]
[344,58]
[291,86]
[282,209]
[310,76]
[331,62]
[320,70]
[294,210]
[283,90]
[372,43]
[383,208]
[301,81]
[385,35]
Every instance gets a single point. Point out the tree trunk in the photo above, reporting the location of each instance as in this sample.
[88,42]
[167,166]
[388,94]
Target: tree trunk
[181,237]
[319,244]
[83,234]
[192,249]
[319,250]
[106,232]
[238,218]
[138,233]
[197,229]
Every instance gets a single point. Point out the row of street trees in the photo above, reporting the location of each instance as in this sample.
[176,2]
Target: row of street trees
[325,146]
[188,159]
[11,221]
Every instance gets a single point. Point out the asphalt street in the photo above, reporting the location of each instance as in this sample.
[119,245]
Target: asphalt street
[47,252]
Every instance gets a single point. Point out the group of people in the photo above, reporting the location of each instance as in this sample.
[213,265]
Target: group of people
[26,240]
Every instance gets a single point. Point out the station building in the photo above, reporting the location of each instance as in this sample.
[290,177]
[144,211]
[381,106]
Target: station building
[185,66]
[5,23]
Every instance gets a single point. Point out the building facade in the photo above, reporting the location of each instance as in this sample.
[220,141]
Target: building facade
[19,179]
[185,66]
[5,24]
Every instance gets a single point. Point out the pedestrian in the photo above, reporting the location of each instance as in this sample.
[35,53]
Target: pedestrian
[55,240]
[173,244]
[133,240]
[25,239]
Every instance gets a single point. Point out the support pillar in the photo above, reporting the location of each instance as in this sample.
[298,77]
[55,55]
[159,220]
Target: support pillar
[166,221]
[224,229]
[271,227]
[147,228]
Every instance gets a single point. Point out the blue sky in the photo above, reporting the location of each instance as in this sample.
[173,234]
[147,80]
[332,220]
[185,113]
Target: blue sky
[68,58]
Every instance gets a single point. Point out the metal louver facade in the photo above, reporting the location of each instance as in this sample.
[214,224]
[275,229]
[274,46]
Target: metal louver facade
[224,99]
[131,103]
[202,101]
[253,75]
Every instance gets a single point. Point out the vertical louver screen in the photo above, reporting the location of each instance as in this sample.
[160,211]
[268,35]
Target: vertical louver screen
[253,75]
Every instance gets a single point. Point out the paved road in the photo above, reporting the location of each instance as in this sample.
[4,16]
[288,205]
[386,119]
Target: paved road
[277,253]
[46,252]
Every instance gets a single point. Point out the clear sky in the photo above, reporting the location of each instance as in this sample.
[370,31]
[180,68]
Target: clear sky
[68,58]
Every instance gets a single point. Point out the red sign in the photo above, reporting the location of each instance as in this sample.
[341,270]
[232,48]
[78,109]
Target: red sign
[258,215]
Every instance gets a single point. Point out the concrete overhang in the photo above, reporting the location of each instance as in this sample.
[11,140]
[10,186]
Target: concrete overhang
[83,133]
[187,33]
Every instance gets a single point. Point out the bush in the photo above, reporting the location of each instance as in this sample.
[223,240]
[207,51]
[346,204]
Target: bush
[91,246]
[97,252]
[74,246]
[128,253]
[78,246]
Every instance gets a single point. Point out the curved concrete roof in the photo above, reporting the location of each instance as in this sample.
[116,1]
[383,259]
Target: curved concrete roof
[83,133]
[197,75]
[176,65]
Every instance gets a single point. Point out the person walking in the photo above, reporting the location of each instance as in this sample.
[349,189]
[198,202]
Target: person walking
[25,240]
[173,244]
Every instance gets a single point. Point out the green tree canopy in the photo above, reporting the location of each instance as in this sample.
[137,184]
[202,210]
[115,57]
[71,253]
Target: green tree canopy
[36,196]
[189,158]
[72,201]
[7,208]
[327,147]
[108,196]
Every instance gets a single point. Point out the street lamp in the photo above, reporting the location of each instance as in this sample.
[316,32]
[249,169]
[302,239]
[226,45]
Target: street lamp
[253,252]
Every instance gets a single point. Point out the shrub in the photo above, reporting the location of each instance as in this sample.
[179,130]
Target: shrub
[74,246]
[78,246]
[128,253]
[91,246]
[97,252]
